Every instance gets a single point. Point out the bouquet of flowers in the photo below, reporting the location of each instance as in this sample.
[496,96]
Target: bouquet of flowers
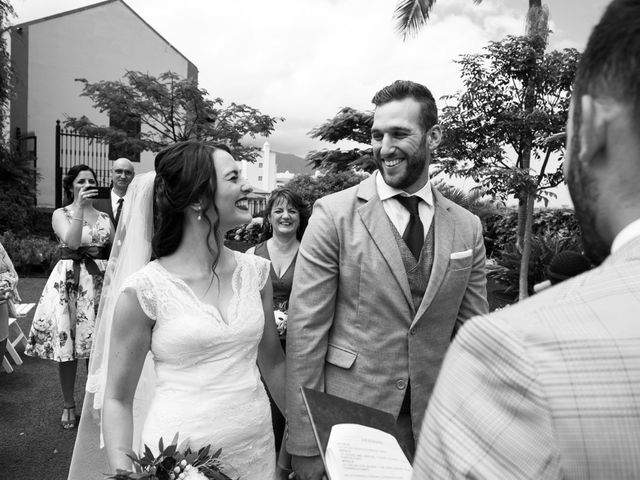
[173,464]
[281,321]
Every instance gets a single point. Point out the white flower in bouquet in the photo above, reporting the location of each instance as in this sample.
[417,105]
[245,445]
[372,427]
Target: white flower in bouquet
[281,321]
[192,473]
[174,463]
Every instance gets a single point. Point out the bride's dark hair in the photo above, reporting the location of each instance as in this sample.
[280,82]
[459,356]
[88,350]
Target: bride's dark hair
[185,174]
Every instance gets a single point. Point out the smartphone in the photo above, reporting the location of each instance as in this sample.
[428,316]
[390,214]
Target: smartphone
[103,192]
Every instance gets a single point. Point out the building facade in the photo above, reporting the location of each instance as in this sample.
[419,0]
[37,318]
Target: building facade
[97,42]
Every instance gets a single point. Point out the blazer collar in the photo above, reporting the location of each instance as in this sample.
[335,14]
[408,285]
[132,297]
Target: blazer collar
[444,230]
[379,227]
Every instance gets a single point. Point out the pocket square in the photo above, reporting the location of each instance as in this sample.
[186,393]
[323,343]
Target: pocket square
[463,254]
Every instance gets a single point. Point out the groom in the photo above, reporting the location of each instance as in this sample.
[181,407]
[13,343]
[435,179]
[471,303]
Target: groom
[386,273]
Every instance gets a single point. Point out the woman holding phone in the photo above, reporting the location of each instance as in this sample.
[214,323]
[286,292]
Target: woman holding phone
[64,320]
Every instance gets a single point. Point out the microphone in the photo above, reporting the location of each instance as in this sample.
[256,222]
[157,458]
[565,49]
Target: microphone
[564,265]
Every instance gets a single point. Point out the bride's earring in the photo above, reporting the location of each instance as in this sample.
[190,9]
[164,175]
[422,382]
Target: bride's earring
[198,208]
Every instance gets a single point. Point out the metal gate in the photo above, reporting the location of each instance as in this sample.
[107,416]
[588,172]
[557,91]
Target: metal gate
[73,148]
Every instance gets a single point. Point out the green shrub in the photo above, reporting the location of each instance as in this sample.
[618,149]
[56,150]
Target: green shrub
[311,188]
[17,193]
[250,233]
[500,228]
[30,251]
[543,249]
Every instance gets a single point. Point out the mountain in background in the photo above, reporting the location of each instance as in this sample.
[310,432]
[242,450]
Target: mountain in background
[291,163]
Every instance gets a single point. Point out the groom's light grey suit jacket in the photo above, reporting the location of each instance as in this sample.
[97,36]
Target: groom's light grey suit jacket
[353,330]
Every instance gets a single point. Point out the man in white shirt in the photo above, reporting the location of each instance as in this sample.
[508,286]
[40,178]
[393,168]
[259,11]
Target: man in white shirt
[386,273]
[122,173]
[550,388]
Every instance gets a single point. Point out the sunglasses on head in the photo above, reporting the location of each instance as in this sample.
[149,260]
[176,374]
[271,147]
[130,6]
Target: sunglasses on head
[120,171]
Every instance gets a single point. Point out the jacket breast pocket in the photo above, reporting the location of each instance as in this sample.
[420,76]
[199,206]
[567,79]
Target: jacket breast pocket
[457,264]
[340,356]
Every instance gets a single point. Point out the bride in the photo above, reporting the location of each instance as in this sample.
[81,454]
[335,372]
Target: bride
[205,314]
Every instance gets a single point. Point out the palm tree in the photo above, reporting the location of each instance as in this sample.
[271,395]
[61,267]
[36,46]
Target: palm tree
[412,15]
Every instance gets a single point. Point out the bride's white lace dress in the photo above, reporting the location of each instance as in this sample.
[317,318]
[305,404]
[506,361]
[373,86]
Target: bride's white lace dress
[208,384]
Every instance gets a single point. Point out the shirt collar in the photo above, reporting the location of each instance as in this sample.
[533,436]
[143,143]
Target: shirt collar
[386,192]
[627,234]
[115,197]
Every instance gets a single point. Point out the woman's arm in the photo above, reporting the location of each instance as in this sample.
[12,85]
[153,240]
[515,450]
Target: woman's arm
[70,233]
[8,275]
[270,355]
[130,342]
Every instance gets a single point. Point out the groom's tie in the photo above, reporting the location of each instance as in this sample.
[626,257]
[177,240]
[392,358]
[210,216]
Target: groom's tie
[119,210]
[413,235]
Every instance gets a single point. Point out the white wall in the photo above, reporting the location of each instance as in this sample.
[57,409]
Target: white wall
[99,43]
[262,173]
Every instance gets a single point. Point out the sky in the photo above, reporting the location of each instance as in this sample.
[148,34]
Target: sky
[306,59]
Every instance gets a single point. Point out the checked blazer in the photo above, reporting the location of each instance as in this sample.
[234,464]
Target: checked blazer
[547,389]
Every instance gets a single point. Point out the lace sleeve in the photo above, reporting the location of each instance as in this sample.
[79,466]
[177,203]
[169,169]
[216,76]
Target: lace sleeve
[262,267]
[142,285]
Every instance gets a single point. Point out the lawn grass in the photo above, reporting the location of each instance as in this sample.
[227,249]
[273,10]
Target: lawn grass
[33,445]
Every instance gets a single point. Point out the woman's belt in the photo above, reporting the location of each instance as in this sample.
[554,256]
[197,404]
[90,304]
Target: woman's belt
[85,255]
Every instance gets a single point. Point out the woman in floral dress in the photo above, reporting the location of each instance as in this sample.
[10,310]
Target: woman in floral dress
[8,295]
[64,320]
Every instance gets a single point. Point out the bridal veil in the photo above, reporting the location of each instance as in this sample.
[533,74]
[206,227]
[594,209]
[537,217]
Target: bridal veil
[130,252]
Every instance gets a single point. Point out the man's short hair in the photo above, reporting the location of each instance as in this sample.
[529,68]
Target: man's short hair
[610,64]
[401,89]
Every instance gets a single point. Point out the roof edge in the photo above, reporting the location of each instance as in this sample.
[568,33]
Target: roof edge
[100,4]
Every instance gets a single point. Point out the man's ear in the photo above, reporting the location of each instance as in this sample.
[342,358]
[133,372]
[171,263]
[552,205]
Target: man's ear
[596,118]
[434,137]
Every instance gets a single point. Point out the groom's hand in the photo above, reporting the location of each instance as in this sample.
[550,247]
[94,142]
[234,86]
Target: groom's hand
[308,468]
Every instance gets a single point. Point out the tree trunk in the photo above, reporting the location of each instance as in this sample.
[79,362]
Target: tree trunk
[526,248]
[522,216]
[537,29]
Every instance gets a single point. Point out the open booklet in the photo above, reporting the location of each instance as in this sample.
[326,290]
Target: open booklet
[356,452]
[356,442]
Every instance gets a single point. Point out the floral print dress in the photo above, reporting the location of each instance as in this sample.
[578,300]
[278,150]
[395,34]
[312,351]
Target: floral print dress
[65,317]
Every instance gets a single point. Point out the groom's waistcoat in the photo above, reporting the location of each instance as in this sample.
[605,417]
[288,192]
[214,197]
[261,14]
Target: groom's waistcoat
[418,271]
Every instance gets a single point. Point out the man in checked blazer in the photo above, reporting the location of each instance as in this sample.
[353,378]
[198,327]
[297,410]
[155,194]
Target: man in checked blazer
[379,290]
[550,388]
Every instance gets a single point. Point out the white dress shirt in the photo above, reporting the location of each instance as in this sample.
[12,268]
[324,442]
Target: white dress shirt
[114,202]
[625,235]
[399,215]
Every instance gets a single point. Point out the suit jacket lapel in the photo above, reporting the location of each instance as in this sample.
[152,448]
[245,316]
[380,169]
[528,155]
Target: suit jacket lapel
[376,222]
[444,227]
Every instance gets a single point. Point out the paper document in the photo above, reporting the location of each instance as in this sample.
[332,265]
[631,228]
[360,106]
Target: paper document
[364,453]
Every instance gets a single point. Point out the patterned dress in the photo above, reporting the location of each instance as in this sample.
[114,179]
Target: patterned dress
[8,279]
[64,320]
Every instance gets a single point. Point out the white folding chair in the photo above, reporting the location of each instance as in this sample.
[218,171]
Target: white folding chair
[14,329]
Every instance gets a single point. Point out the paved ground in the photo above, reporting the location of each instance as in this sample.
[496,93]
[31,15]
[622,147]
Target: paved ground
[33,445]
